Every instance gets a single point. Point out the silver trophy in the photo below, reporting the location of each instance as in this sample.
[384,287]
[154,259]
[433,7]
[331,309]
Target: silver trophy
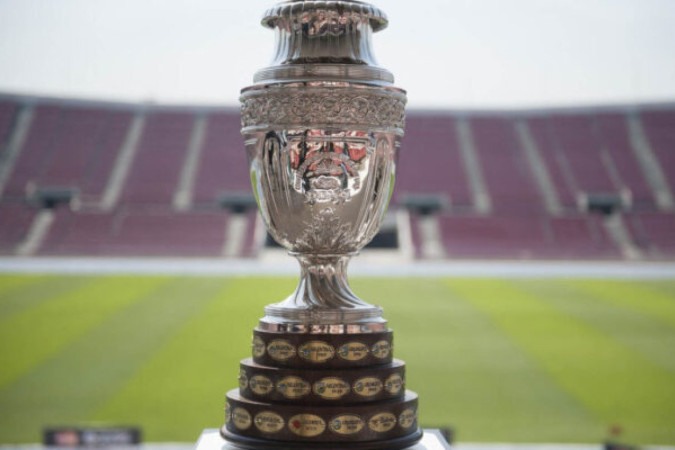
[322,127]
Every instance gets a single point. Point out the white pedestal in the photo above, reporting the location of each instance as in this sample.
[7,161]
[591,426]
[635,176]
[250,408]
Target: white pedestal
[211,440]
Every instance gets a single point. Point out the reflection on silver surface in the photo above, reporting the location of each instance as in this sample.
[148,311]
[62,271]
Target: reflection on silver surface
[322,192]
[322,127]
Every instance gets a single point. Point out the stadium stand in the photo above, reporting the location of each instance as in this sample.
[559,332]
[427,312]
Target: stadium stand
[654,233]
[509,177]
[7,111]
[158,159]
[438,158]
[71,146]
[15,220]
[658,126]
[614,139]
[221,171]
[123,232]
[113,179]
[526,237]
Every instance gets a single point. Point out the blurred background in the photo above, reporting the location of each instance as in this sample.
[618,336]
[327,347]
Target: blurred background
[533,219]
[454,54]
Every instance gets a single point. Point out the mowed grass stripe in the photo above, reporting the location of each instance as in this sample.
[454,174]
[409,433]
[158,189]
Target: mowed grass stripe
[181,388]
[70,387]
[617,384]
[29,292]
[9,283]
[468,373]
[478,351]
[665,286]
[641,297]
[616,315]
[35,334]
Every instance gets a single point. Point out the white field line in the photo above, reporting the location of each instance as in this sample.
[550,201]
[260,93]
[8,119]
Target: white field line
[364,265]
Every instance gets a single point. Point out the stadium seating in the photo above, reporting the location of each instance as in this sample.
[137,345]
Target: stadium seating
[430,161]
[543,136]
[159,158]
[525,237]
[575,143]
[7,111]
[659,125]
[654,233]
[68,146]
[149,180]
[15,220]
[222,168]
[129,233]
[508,176]
[615,139]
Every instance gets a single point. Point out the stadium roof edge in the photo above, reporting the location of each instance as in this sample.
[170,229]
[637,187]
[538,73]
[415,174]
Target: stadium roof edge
[419,269]
[566,109]
[112,104]
[516,111]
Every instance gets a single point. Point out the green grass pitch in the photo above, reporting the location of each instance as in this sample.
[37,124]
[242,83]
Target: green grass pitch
[498,360]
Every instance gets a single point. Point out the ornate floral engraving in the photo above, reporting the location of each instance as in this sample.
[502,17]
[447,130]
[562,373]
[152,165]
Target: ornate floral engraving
[326,233]
[270,108]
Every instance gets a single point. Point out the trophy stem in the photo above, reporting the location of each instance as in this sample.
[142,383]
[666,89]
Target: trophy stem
[323,296]
[323,283]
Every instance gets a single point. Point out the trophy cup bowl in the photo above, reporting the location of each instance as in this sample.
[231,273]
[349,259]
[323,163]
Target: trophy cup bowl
[322,129]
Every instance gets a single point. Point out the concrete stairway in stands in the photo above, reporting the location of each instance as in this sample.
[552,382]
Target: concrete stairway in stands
[649,164]
[15,143]
[123,163]
[182,198]
[541,175]
[481,197]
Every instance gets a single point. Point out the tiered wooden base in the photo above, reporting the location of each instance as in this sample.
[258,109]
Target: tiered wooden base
[321,391]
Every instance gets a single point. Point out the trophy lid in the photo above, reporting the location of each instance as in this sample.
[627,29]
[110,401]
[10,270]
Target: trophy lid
[326,40]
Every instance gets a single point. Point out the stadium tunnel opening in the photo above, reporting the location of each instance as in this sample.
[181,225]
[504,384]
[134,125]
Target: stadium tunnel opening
[605,204]
[51,197]
[237,202]
[425,204]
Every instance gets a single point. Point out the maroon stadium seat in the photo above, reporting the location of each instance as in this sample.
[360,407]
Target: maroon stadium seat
[76,144]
